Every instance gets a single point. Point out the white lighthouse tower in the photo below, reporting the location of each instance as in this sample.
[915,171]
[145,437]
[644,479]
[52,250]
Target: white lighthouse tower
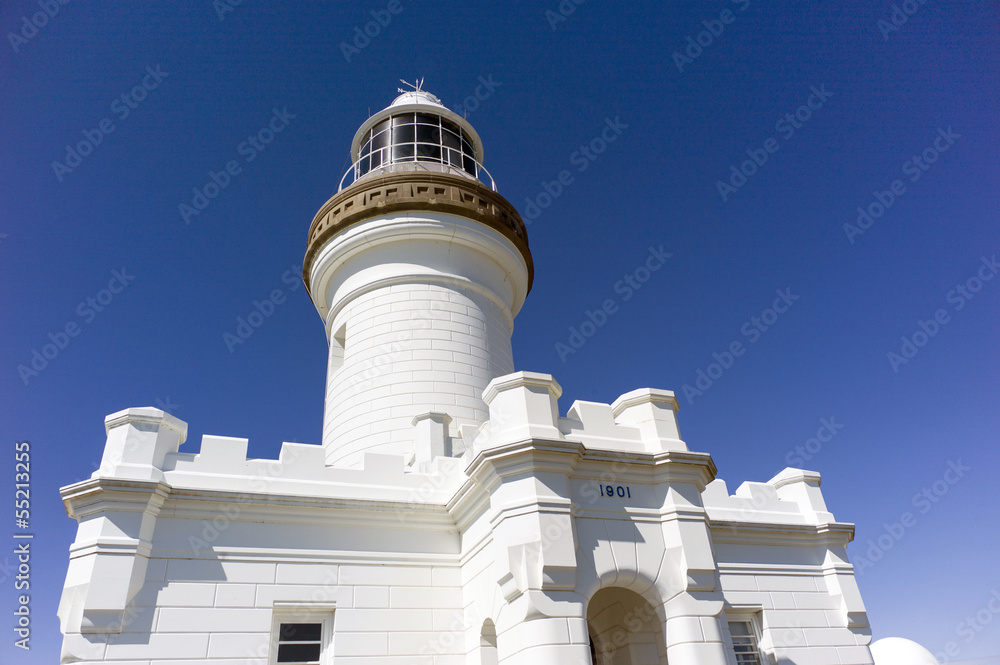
[418,270]
[451,515]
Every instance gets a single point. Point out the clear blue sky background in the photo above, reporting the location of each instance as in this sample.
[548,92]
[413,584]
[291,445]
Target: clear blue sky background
[160,341]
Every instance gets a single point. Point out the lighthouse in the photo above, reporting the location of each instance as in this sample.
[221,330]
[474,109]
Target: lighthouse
[417,267]
[452,513]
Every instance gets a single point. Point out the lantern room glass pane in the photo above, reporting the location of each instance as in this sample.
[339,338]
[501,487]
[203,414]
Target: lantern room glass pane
[402,134]
[402,152]
[451,140]
[428,134]
[405,119]
[427,151]
[380,140]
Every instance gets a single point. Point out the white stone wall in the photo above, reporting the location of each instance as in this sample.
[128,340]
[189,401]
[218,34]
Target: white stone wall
[410,349]
[801,619]
[801,589]
[185,558]
[419,308]
[193,611]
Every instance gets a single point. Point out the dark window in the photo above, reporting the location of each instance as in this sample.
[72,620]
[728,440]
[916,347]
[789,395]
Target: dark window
[428,134]
[299,643]
[403,134]
[430,152]
[381,140]
[402,153]
[451,140]
[427,119]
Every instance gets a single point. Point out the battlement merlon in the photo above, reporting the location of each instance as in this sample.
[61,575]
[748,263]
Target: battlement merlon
[139,440]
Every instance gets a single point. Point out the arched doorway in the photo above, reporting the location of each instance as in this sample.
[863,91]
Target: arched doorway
[624,629]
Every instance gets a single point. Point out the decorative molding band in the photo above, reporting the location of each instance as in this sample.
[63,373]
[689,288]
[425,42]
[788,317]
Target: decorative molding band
[778,533]
[409,191]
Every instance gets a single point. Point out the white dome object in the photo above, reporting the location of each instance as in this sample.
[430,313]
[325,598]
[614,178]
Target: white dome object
[901,651]
[417,97]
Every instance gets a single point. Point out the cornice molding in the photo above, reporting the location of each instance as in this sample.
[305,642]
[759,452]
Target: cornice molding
[415,191]
[778,533]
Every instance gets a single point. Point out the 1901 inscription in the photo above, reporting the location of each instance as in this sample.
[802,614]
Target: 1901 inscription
[621,491]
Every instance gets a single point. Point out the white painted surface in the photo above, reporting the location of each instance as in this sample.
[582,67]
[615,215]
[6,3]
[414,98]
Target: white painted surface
[419,311]
[411,562]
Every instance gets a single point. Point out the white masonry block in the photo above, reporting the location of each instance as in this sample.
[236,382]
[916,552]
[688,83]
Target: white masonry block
[431,437]
[654,413]
[139,440]
[523,405]
[802,487]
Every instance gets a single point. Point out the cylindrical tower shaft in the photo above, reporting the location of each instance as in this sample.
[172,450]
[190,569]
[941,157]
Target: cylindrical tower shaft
[418,270]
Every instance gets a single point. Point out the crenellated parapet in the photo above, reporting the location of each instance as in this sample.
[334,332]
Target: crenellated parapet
[144,444]
[792,497]
[525,405]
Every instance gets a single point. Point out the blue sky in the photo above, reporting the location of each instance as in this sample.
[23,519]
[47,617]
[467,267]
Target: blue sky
[747,136]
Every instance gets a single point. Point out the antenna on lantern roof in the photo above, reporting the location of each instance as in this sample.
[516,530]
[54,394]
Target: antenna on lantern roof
[416,86]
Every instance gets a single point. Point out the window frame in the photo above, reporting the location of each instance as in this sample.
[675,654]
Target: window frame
[296,612]
[753,619]
[388,148]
